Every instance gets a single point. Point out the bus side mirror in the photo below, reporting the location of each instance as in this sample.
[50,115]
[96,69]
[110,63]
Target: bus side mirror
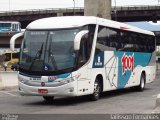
[13,39]
[78,38]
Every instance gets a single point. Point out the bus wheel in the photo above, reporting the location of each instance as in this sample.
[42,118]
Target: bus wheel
[97,90]
[48,98]
[142,82]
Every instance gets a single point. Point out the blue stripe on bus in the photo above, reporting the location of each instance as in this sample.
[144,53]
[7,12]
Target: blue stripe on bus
[63,75]
[57,76]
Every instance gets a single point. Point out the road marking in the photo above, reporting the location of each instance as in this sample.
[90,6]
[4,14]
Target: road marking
[8,93]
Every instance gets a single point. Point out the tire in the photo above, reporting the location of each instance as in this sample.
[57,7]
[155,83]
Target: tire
[142,84]
[48,98]
[97,91]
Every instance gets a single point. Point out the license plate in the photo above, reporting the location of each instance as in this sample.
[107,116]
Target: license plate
[42,91]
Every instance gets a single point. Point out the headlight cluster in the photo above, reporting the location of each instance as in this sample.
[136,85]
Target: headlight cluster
[22,80]
[66,80]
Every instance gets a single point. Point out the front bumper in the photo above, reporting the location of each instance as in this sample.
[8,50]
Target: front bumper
[69,89]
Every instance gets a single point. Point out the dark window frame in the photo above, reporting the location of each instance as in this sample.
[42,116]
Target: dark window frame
[127,41]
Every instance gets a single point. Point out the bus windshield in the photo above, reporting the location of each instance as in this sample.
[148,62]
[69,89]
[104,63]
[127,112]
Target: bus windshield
[48,50]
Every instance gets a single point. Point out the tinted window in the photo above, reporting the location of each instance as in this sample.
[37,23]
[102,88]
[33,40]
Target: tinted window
[86,44]
[121,40]
[107,39]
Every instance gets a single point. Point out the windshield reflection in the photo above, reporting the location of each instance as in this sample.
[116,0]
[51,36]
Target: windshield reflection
[48,50]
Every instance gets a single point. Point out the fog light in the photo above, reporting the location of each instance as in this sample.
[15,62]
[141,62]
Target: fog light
[71,90]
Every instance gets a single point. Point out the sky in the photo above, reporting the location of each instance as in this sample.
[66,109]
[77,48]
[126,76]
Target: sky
[9,5]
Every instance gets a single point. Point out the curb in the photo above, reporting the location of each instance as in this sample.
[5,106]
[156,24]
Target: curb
[158,101]
[1,83]
[157,107]
[8,71]
[158,72]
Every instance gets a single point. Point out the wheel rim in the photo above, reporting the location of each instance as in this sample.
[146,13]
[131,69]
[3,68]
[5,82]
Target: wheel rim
[142,83]
[96,89]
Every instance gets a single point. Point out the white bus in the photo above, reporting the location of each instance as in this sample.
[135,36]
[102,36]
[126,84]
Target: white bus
[79,55]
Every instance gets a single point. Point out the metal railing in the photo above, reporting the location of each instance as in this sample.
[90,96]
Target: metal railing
[77,9]
[137,7]
[40,11]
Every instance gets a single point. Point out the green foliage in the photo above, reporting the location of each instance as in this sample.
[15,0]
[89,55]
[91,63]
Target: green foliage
[158,53]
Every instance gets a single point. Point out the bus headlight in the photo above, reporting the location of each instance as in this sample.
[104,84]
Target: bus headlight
[66,80]
[22,79]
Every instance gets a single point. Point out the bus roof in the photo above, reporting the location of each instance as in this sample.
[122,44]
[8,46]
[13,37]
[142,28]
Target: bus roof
[78,21]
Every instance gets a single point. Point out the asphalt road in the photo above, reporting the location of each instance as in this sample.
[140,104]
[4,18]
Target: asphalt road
[121,101]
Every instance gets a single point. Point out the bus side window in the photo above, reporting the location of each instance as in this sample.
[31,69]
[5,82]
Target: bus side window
[106,39]
[86,45]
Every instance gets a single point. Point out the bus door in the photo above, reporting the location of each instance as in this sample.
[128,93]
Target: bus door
[104,54]
[83,57]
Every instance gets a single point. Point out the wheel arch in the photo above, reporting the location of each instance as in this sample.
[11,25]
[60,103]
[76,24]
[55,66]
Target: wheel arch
[101,80]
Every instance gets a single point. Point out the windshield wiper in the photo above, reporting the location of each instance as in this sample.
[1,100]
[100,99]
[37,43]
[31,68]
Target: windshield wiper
[51,56]
[38,55]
